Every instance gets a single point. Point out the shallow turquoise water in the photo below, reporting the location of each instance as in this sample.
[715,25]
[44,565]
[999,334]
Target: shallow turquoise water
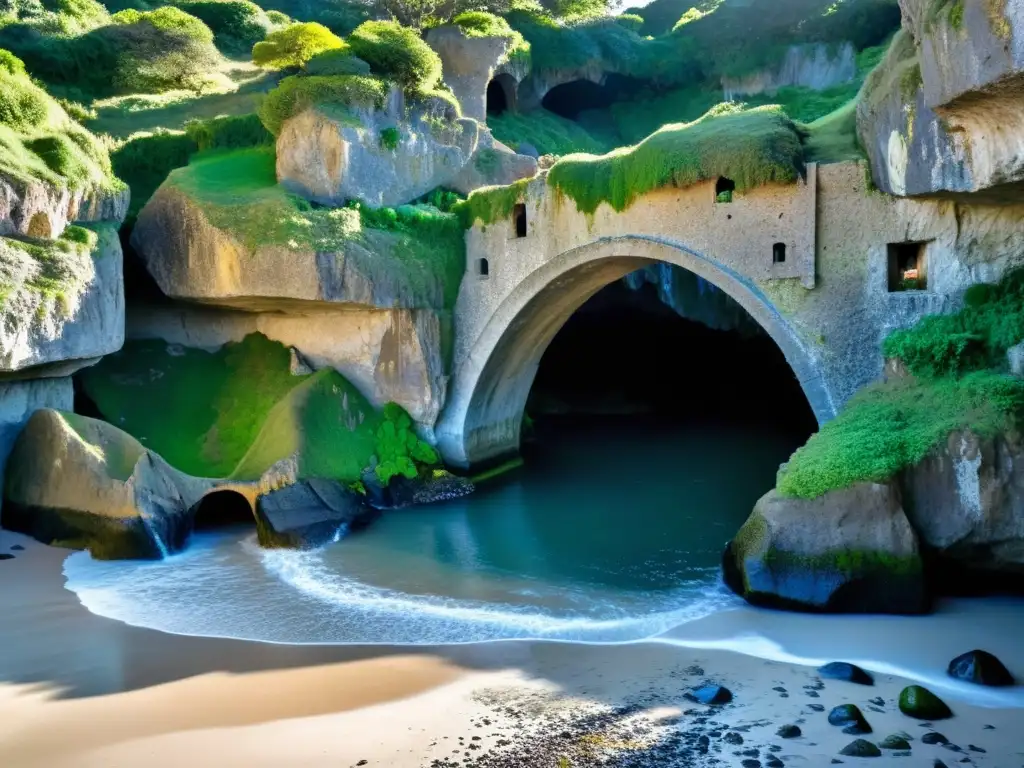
[612,532]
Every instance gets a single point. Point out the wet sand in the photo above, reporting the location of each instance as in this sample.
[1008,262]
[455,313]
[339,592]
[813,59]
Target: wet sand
[80,690]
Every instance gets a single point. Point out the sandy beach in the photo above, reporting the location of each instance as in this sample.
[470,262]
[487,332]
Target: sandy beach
[80,690]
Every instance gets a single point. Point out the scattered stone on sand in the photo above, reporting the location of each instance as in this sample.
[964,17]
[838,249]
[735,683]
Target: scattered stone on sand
[980,667]
[733,738]
[751,763]
[934,737]
[17,548]
[973,748]
[851,673]
[816,707]
[5,556]
[878,701]
[774,762]
[789,732]
[712,694]
[861,748]
[812,694]
[779,688]
[895,741]
[849,715]
[917,701]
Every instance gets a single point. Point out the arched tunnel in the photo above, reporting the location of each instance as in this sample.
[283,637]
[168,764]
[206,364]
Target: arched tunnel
[221,509]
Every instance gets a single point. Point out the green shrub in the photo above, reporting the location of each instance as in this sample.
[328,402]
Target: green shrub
[228,132]
[630,21]
[236,24]
[294,45]
[297,93]
[389,138]
[398,449]
[482,24]
[61,155]
[549,133]
[168,19]
[279,19]
[397,53]
[752,147]
[976,337]
[337,61]
[11,64]
[144,160]
[888,427]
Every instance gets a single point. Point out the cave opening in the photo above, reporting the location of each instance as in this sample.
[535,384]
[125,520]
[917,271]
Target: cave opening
[570,99]
[222,509]
[662,345]
[501,95]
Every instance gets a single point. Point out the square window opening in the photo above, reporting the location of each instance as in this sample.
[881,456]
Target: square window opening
[779,253]
[483,268]
[519,214]
[907,267]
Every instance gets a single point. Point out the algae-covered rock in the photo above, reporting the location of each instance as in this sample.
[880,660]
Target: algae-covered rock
[310,513]
[980,667]
[82,483]
[919,702]
[850,550]
[382,157]
[899,741]
[63,301]
[861,748]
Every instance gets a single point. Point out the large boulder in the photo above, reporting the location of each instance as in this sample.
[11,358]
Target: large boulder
[382,157]
[82,483]
[310,513]
[64,306]
[966,500]
[941,113]
[493,164]
[850,550]
[39,209]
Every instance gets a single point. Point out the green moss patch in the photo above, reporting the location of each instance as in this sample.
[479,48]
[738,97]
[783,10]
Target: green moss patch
[490,204]
[888,427]
[752,147]
[550,134]
[298,93]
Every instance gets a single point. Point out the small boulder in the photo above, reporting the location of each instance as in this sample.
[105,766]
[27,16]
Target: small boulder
[980,667]
[428,488]
[933,737]
[851,550]
[920,703]
[861,748]
[789,732]
[310,513]
[712,694]
[733,738]
[895,741]
[840,670]
[846,714]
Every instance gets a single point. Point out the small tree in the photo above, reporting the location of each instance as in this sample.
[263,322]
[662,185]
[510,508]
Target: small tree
[294,45]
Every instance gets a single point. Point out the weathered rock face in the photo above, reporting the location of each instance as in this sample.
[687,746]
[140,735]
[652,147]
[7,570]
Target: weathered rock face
[383,157]
[816,66]
[40,210]
[966,500]
[469,64]
[310,513]
[76,319]
[851,550]
[83,483]
[493,164]
[941,115]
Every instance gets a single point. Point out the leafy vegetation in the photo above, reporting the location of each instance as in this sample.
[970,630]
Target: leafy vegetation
[398,449]
[751,147]
[888,427]
[550,134]
[298,93]
[398,54]
[490,204]
[294,45]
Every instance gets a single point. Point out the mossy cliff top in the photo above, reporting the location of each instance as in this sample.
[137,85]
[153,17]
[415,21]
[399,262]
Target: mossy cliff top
[40,142]
[239,411]
[957,362]
[412,256]
[752,147]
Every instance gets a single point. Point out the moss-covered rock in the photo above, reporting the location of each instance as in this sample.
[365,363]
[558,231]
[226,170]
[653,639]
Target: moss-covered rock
[916,701]
[851,550]
[78,482]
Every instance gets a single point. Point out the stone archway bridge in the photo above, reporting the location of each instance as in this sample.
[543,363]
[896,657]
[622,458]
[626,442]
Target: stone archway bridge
[809,261]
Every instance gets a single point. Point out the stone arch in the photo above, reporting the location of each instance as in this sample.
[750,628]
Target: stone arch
[494,373]
[502,94]
[221,507]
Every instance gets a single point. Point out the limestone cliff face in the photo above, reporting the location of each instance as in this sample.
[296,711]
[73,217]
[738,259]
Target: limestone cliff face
[816,66]
[41,210]
[65,306]
[469,64]
[942,113]
[493,164]
[384,157]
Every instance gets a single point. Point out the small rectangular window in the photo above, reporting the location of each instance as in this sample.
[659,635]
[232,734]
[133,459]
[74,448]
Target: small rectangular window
[483,268]
[519,214]
[724,189]
[779,253]
[907,267]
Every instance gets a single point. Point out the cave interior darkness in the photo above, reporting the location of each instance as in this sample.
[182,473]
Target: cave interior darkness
[222,509]
[625,352]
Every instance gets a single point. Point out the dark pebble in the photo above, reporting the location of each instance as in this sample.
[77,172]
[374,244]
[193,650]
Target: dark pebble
[774,762]
[779,688]
[789,732]
[748,763]
[939,764]
[812,694]
[733,738]
[980,667]
[712,694]
[363,762]
[952,747]
[989,728]
[715,734]
[861,748]
[894,741]
[933,737]
[17,548]
[858,729]
[750,753]
[816,707]
[774,748]
[851,673]
[878,701]
[836,761]
[975,749]
[5,556]
[845,714]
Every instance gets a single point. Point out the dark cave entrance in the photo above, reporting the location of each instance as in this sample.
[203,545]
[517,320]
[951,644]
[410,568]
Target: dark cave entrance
[626,353]
[569,100]
[222,509]
[501,95]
